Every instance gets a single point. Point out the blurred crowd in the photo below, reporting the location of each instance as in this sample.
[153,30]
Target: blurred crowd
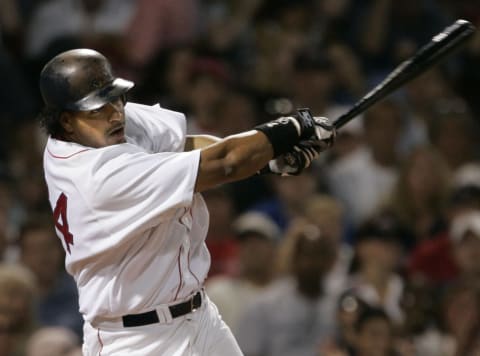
[373,251]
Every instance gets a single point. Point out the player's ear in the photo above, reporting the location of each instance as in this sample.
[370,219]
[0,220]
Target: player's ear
[66,119]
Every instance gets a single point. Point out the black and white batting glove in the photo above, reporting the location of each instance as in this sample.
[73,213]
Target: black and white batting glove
[286,132]
[316,127]
[294,162]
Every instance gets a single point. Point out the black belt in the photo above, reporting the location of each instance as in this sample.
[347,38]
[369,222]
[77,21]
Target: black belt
[151,317]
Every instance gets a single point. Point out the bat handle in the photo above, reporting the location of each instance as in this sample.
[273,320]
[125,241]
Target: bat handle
[343,119]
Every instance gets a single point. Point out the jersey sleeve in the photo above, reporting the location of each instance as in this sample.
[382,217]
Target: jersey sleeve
[130,189]
[155,129]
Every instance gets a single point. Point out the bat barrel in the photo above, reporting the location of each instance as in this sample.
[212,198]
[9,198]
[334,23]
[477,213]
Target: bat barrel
[440,46]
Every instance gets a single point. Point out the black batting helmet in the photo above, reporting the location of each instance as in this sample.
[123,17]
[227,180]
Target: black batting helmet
[80,80]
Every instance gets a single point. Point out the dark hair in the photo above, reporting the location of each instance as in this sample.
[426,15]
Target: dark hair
[384,226]
[465,196]
[49,119]
[453,110]
[369,313]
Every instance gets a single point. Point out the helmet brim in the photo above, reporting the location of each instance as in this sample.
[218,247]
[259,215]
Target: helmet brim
[102,96]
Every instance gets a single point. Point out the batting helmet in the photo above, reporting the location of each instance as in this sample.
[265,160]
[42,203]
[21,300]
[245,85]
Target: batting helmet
[80,80]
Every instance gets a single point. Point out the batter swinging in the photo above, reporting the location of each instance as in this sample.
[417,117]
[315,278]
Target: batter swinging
[123,182]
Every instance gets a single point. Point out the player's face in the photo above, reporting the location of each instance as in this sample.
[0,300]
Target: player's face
[97,128]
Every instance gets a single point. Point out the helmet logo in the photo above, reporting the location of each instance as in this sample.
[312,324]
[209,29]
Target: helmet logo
[95,84]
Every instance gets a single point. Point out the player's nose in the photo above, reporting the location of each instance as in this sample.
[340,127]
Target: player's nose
[116,108]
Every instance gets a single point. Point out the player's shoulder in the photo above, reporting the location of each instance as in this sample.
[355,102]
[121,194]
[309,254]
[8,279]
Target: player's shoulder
[67,156]
[65,150]
[62,150]
[137,110]
[155,128]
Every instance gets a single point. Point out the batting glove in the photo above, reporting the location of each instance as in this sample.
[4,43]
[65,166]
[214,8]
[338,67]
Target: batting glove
[294,162]
[286,132]
[315,127]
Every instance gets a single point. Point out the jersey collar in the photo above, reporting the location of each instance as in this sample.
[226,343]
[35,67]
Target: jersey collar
[63,149]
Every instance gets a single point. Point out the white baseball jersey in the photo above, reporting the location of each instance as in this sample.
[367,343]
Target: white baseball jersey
[132,227]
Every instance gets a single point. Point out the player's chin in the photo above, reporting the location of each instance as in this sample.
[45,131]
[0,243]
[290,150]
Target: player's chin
[116,137]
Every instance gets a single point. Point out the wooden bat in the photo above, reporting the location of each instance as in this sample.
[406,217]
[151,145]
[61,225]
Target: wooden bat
[426,57]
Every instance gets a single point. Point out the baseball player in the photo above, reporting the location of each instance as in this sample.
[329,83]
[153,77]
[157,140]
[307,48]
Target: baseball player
[124,183]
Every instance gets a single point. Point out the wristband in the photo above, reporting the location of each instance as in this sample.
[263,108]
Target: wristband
[283,134]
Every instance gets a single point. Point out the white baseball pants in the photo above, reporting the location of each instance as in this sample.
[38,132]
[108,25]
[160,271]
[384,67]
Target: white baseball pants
[200,333]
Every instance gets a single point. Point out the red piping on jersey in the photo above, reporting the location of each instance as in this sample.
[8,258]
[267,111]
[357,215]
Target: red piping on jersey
[100,341]
[189,210]
[65,157]
[179,272]
[189,269]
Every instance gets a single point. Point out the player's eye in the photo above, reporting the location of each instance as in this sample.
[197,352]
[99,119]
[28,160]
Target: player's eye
[96,111]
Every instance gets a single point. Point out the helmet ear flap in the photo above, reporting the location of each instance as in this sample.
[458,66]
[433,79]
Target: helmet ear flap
[123,97]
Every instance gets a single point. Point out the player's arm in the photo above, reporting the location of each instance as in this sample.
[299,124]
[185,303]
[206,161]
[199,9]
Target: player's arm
[233,158]
[194,142]
[242,155]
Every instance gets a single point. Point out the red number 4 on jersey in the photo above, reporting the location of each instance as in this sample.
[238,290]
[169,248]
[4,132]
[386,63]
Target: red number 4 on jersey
[60,212]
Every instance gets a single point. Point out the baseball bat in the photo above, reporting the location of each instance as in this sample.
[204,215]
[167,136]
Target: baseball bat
[426,57]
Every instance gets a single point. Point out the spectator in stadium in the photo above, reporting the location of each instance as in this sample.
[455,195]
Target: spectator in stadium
[52,341]
[221,242]
[432,261]
[465,236]
[209,83]
[17,293]
[374,334]
[156,25]
[288,199]
[348,310]
[454,132]
[294,316]
[258,236]
[459,333]
[377,261]
[363,179]
[42,254]
[420,195]
[328,215]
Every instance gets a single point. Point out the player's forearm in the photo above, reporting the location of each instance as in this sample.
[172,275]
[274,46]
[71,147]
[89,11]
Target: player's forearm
[194,142]
[233,158]
[240,156]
